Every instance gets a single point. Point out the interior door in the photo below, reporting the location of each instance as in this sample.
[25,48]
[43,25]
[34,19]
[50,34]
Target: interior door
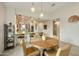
[56,28]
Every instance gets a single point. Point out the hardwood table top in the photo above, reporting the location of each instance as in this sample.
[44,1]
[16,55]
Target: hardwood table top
[50,43]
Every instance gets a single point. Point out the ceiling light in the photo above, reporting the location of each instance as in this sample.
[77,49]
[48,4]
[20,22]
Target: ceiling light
[33,9]
[73,18]
[53,4]
[41,15]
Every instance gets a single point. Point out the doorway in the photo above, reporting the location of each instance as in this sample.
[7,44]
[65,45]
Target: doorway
[56,28]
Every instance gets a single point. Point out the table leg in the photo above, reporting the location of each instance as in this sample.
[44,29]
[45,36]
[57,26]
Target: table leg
[41,52]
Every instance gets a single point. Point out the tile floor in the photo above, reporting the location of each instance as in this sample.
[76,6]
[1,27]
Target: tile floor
[17,51]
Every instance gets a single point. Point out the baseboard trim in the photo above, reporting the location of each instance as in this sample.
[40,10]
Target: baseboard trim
[70,43]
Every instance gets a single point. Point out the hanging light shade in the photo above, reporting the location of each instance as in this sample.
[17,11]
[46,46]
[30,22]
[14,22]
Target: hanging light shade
[73,18]
[32,8]
[41,14]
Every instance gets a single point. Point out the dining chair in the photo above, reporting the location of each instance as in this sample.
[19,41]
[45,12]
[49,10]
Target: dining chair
[55,39]
[62,51]
[30,51]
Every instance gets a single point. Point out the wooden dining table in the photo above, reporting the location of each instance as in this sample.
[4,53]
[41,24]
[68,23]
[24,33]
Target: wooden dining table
[44,44]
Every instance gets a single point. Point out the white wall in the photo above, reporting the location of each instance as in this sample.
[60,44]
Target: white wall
[40,27]
[10,15]
[50,28]
[2,18]
[69,32]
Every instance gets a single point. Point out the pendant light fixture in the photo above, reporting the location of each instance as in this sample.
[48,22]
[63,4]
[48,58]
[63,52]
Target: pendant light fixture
[32,8]
[73,18]
[41,14]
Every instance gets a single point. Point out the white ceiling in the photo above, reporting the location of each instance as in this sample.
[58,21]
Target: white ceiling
[47,8]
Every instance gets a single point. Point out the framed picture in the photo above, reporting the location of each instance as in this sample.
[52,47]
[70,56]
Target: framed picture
[45,27]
